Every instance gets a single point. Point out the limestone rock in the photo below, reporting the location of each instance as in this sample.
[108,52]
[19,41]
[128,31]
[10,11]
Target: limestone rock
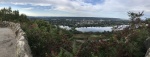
[22,47]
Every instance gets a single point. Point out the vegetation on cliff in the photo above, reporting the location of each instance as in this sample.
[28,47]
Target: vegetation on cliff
[47,40]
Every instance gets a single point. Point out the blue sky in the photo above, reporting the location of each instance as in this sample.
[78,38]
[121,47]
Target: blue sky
[79,8]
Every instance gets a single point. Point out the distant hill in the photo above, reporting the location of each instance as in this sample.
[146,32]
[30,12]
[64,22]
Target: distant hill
[75,18]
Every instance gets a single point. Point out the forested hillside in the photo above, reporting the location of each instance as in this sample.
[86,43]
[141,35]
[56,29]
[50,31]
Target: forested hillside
[47,40]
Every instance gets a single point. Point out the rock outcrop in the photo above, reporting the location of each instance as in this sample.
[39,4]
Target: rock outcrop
[147,45]
[22,47]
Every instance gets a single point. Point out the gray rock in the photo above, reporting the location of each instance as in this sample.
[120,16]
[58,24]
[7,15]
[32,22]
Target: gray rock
[17,45]
[147,43]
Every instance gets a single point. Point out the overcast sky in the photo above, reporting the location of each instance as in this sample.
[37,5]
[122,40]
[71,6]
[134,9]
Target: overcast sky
[79,8]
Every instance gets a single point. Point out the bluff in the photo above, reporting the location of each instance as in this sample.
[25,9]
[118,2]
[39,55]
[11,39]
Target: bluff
[13,41]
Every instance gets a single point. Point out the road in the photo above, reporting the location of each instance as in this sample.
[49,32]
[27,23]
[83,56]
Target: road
[7,43]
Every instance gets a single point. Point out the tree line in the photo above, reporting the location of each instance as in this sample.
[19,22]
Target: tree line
[6,14]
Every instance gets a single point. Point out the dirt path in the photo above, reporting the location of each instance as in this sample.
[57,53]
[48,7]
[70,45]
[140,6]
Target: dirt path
[7,43]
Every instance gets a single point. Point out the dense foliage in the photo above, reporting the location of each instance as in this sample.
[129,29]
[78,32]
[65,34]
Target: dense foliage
[47,40]
[6,14]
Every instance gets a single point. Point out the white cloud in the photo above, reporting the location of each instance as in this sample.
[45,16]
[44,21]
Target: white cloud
[29,8]
[59,4]
[82,8]
[127,5]
[19,3]
[80,5]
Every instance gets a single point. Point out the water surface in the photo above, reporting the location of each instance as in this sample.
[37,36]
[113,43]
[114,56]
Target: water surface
[89,29]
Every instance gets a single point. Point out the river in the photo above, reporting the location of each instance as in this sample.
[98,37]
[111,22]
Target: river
[94,29]
[89,29]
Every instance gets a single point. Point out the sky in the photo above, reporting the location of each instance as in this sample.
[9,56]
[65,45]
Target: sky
[79,8]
